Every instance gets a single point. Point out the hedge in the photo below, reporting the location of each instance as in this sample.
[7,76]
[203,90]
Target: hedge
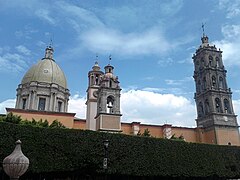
[82,151]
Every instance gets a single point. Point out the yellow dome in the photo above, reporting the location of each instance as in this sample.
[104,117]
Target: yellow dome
[47,71]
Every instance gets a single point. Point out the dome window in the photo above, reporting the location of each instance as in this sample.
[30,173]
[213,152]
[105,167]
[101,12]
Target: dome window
[41,104]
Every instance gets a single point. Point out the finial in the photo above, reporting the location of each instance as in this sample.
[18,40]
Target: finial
[110,58]
[203,29]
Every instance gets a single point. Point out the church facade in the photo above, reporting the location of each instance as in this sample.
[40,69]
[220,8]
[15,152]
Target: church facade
[43,94]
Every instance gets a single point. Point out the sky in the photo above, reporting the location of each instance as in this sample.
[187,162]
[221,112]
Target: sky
[151,43]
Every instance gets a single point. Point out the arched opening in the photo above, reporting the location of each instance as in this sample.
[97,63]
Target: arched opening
[97,80]
[218,105]
[210,60]
[207,107]
[213,81]
[227,106]
[221,82]
[217,62]
[110,104]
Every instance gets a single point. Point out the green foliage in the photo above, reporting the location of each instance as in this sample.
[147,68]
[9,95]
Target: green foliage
[15,119]
[56,124]
[69,150]
[180,138]
[146,133]
[10,118]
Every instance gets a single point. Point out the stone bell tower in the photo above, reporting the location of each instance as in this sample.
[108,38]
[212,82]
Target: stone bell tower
[94,78]
[213,98]
[108,102]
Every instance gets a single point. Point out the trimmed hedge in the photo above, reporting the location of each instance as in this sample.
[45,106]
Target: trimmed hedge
[81,151]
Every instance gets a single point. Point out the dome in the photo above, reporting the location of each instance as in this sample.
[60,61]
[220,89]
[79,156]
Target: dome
[47,71]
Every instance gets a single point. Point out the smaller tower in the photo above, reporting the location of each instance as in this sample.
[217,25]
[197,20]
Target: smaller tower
[108,102]
[94,78]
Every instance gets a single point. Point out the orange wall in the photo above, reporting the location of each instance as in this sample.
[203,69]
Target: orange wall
[79,124]
[65,118]
[227,135]
[189,134]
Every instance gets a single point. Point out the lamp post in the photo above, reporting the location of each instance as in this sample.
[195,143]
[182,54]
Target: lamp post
[16,164]
[105,159]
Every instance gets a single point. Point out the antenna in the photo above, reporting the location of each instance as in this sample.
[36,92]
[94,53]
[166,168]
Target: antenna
[110,58]
[203,28]
[96,56]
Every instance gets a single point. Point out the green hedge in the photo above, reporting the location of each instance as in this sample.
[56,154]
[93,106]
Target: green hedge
[68,150]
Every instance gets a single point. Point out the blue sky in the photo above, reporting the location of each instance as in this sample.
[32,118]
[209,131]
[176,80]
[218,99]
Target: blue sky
[151,43]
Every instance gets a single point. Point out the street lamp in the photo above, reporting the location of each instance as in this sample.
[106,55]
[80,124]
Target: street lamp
[105,159]
[16,164]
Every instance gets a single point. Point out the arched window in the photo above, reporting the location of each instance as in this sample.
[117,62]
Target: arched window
[213,81]
[97,80]
[217,62]
[200,110]
[207,108]
[218,105]
[221,82]
[92,80]
[227,106]
[210,60]
[110,104]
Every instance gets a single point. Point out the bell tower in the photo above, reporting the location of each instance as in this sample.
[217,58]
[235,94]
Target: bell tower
[108,102]
[213,98]
[94,78]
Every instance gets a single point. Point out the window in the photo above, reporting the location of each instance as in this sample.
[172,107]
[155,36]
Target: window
[96,82]
[218,105]
[213,81]
[59,106]
[218,63]
[220,82]
[206,104]
[41,104]
[110,104]
[110,83]
[210,60]
[227,107]
[24,102]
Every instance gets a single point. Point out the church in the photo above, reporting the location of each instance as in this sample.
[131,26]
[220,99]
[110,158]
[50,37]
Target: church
[43,94]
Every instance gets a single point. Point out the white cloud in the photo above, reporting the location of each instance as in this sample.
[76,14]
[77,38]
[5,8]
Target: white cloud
[12,63]
[77,105]
[230,44]
[151,41]
[22,49]
[236,107]
[178,82]
[44,14]
[10,103]
[232,7]
[147,107]
[155,108]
